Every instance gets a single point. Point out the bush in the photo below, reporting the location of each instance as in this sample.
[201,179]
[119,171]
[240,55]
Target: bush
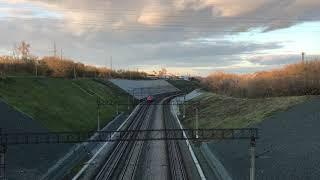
[55,67]
[295,79]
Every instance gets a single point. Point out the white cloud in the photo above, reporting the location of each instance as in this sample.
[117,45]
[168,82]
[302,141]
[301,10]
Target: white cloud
[227,8]
[152,13]
[99,15]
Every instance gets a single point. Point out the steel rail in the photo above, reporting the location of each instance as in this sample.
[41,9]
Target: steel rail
[176,165]
[136,151]
[127,154]
[108,169]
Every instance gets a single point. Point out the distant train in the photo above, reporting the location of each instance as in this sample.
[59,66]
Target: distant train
[150,99]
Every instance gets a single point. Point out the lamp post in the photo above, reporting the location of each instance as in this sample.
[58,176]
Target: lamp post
[184,106]
[197,122]
[196,108]
[117,108]
[98,114]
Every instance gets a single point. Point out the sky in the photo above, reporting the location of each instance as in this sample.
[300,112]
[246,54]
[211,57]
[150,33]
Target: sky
[193,37]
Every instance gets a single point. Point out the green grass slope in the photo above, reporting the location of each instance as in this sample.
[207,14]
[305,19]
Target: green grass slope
[61,104]
[218,111]
[185,86]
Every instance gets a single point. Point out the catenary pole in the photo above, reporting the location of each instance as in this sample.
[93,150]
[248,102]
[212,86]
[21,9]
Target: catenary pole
[252,158]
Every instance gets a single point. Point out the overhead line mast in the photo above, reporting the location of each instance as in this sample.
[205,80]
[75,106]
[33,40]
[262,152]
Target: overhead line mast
[54,49]
[110,66]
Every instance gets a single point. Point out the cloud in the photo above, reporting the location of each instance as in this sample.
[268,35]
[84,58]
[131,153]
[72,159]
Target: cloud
[152,13]
[218,48]
[282,59]
[227,8]
[275,59]
[97,15]
[194,56]
[170,32]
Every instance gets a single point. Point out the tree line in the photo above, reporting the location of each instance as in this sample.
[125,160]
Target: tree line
[23,63]
[301,78]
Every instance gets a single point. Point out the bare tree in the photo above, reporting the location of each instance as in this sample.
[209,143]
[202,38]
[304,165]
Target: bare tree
[163,72]
[24,49]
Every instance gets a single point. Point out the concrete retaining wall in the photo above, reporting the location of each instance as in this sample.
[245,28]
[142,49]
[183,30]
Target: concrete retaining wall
[142,88]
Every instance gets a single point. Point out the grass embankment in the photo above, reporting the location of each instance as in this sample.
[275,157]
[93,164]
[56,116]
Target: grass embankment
[61,104]
[218,111]
[185,86]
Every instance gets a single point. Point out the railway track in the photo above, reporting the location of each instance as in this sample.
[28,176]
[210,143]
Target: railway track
[123,161]
[127,160]
[134,157]
[175,159]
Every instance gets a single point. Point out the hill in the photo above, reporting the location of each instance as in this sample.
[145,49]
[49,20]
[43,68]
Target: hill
[219,111]
[287,144]
[61,104]
[185,86]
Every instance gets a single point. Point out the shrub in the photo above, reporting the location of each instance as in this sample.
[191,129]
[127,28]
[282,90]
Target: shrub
[55,67]
[295,79]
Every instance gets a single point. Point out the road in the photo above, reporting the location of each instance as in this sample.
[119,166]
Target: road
[149,159]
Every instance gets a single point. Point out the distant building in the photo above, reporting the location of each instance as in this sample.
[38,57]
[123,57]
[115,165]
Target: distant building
[168,77]
[152,76]
[186,78]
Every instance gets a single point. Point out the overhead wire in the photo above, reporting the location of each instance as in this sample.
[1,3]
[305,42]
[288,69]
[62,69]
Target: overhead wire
[155,13]
[202,24]
[137,25]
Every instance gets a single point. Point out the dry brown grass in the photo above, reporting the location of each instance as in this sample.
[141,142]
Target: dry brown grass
[295,79]
[55,67]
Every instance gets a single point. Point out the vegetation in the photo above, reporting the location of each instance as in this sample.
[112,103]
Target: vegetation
[185,86]
[295,79]
[61,104]
[55,67]
[22,62]
[219,111]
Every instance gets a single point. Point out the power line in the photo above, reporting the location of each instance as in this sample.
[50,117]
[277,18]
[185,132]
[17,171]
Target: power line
[106,11]
[173,27]
[199,20]
[153,10]
[178,29]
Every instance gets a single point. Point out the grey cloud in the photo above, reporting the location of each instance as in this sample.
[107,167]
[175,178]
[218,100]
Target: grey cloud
[221,48]
[275,59]
[195,16]
[94,30]
[280,59]
[221,53]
